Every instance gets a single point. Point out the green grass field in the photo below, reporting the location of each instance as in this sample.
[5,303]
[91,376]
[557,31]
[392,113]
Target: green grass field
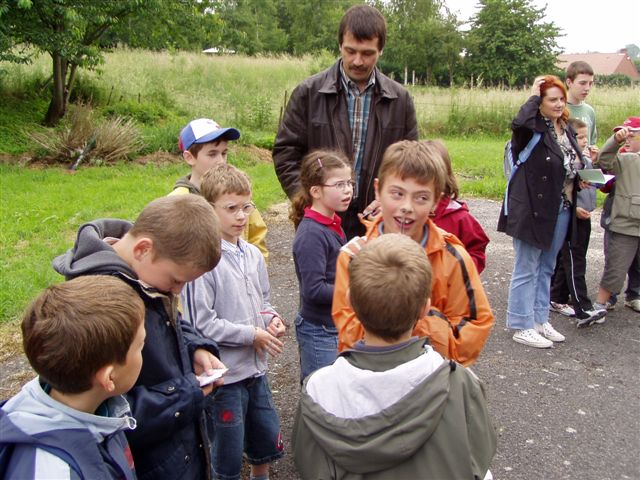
[42,208]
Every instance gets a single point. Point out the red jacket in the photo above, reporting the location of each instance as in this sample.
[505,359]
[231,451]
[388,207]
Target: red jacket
[454,217]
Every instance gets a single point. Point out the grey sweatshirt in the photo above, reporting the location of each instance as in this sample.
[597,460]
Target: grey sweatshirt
[225,305]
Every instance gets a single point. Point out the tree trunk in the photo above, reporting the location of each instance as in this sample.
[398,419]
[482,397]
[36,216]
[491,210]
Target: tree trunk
[57,107]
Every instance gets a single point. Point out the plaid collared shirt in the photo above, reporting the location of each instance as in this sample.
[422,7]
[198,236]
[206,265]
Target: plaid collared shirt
[358,104]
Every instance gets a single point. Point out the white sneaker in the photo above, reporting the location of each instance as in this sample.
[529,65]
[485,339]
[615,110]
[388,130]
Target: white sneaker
[597,315]
[547,331]
[600,306]
[531,338]
[633,304]
[562,309]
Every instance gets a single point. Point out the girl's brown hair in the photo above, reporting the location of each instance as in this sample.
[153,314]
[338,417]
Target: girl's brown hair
[451,184]
[316,168]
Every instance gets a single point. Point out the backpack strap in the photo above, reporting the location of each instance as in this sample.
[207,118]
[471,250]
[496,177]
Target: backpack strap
[523,156]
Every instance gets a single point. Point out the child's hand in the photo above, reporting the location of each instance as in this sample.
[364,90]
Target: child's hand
[205,362]
[594,152]
[264,343]
[353,246]
[371,212]
[621,135]
[582,214]
[276,327]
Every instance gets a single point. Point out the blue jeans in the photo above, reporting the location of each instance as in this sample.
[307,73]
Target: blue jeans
[244,420]
[531,278]
[317,345]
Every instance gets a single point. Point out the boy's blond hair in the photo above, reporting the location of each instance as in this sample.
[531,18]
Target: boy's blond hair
[73,329]
[389,285]
[416,160]
[184,229]
[224,178]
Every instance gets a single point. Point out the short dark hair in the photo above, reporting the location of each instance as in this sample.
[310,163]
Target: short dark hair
[73,329]
[389,285]
[364,22]
[576,68]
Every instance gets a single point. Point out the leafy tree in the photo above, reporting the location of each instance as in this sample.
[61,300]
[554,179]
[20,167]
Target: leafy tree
[181,25]
[423,37]
[320,33]
[250,26]
[68,30]
[509,44]
[633,51]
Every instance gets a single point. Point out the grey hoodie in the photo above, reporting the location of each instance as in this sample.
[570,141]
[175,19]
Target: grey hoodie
[404,413]
[47,438]
[228,303]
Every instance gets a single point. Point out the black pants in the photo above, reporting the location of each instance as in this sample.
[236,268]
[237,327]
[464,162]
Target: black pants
[569,277]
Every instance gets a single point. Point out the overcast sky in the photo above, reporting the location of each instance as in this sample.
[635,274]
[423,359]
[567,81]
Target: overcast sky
[589,25]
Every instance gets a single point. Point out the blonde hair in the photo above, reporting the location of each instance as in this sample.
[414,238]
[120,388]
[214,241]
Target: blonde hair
[73,329]
[316,168]
[413,159]
[183,228]
[389,285]
[224,178]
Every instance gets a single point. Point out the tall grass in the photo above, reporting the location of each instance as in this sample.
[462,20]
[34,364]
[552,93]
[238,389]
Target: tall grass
[163,91]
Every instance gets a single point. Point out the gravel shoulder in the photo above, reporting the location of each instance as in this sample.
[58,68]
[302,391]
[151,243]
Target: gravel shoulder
[569,412]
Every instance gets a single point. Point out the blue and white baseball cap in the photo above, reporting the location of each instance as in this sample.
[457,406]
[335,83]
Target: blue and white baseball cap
[204,130]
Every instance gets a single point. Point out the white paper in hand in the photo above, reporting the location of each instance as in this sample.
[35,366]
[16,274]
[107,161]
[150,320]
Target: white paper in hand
[207,379]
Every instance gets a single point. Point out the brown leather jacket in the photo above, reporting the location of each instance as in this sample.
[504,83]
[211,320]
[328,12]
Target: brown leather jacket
[316,117]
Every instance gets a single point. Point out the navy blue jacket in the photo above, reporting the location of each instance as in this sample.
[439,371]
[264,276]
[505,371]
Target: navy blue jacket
[315,252]
[170,441]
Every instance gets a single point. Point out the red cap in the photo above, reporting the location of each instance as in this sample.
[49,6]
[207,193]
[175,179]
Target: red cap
[632,123]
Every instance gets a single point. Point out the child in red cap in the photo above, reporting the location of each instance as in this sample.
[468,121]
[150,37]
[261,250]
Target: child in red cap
[624,222]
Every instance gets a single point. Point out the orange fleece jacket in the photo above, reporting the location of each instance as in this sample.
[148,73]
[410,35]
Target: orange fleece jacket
[460,319]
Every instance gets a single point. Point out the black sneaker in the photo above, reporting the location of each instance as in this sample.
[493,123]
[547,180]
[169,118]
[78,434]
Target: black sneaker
[594,316]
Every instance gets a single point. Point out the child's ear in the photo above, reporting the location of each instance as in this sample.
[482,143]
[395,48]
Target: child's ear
[189,158]
[315,191]
[105,378]
[142,247]
[375,188]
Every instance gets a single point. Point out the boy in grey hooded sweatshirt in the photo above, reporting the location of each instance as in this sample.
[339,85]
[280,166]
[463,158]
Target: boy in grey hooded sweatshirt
[392,407]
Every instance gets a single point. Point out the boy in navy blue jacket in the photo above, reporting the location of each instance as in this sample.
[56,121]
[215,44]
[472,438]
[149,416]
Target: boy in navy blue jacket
[84,338]
[173,241]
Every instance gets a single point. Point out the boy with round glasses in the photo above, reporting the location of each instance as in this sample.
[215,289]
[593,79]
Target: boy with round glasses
[231,304]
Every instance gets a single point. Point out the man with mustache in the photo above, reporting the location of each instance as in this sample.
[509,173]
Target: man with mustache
[351,107]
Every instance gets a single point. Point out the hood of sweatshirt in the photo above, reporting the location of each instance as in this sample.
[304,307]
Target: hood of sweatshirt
[33,412]
[381,419]
[185,182]
[91,254]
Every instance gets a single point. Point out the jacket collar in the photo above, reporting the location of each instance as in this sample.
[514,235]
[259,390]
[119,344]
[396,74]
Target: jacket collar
[332,83]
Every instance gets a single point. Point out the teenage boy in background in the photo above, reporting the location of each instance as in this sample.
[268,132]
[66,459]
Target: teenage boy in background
[204,143]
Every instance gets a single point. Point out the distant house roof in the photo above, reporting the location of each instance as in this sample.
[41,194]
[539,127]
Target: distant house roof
[602,63]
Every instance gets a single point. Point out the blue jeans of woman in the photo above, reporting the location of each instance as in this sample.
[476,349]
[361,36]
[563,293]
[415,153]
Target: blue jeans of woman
[317,345]
[529,291]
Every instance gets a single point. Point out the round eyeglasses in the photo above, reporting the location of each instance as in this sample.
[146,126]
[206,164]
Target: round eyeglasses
[246,209]
[341,186]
